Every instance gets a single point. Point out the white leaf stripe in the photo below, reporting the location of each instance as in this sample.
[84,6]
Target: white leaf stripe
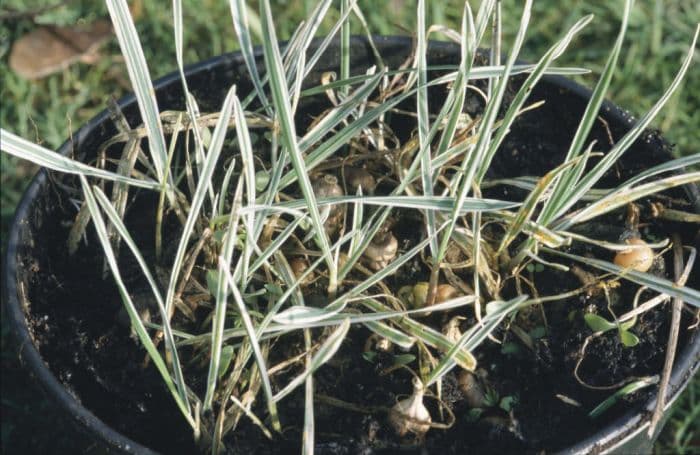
[140,81]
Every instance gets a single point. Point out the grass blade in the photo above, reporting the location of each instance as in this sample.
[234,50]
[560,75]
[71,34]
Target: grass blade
[357,217]
[327,350]
[190,103]
[288,133]
[480,72]
[339,113]
[209,165]
[140,81]
[309,427]
[524,91]
[426,334]
[561,189]
[626,390]
[424,122]
[254,343]
[397,337]
[625,196]
[298,59]
[255,419]
[118,224]
[471,160]
[530,203]
[628,139]
[246,148]
[664,286]
[472,338]
[276,244]
[685,161]
[310,314]
[239,14]
[457,95]
[288,326]
[136,322]
[218,321]
[345,44]
[22,148]
[327,40]
[540,233]
[435,203]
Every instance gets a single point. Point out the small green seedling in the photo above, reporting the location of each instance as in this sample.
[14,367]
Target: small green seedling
[626,390]
[600,324]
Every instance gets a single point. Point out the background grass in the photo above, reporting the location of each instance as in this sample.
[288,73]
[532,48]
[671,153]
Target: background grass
[47,110]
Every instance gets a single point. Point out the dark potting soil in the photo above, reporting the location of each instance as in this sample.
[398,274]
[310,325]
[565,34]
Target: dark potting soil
[72,313]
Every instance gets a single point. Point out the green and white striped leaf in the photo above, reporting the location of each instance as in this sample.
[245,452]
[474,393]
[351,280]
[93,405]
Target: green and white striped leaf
[424,121]
[625,196]
[288,132]
[472,160]
[297,59]
[626,390]
[218,321]
[397,337]
[208,168]
[357,218]
[254,342]
[327,350]
[496,312]
[530,203]
[628,139]
[480,72]
[136,322]
[662,285]
[339,113]
[118,224]
[22,148]
[678,163]
[140,81]
[248,162]
[289,326]
[239,14]
[344,15]
[345,44]
[435,203]
[524,91]
[426,334]
[190,102]
[563,186]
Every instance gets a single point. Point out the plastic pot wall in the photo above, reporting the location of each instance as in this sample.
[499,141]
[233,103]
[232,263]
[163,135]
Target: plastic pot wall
[209,81]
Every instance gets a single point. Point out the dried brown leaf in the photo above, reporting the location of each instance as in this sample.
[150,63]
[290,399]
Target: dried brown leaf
[50,49]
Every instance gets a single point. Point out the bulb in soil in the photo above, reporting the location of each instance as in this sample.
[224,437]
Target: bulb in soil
[381,251]
[383,345]
[411,415]
[471,388]
[327,186]
[358,177]
[445,292]
[418,296]
[639,258]
[380,344]
[451,329]
[299,266]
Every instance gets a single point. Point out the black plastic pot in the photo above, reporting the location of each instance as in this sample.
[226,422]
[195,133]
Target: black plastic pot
[209,81]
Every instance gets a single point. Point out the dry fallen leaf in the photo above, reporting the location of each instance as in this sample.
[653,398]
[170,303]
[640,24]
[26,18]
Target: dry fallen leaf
[50,49]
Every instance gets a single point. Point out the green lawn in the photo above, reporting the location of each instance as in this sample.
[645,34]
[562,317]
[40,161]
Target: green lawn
[48,110]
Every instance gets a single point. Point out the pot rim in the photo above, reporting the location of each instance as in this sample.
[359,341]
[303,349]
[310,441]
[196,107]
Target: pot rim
[623,428]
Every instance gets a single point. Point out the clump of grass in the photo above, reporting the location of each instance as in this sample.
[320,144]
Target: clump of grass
[268,216]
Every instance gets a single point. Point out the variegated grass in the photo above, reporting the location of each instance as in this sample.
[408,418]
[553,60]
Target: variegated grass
[258,232]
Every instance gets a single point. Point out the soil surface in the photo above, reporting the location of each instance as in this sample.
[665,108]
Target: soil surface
[535,398]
